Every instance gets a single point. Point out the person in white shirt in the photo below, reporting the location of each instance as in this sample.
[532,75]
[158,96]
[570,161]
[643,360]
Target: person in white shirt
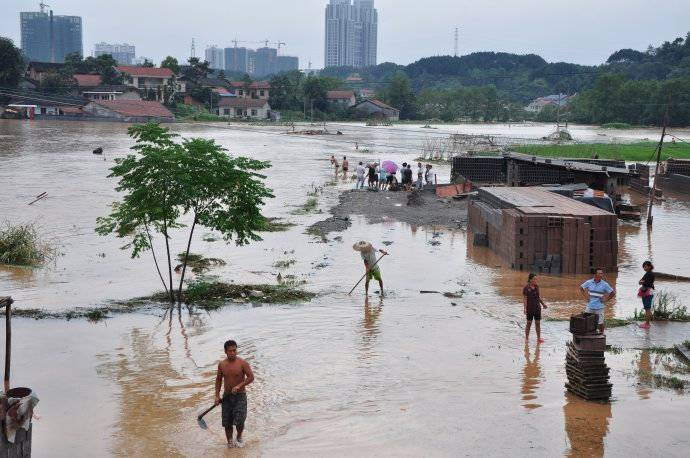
[360,176]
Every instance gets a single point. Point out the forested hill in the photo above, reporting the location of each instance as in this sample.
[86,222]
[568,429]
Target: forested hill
[523,77]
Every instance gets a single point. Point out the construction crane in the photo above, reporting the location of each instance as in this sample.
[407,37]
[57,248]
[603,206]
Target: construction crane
[42,5]
[242,41]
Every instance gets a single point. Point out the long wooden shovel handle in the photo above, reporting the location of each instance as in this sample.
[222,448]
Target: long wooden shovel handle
[365,274]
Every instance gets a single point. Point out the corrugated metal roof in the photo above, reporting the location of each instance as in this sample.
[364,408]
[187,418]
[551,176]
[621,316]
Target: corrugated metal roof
[529,200]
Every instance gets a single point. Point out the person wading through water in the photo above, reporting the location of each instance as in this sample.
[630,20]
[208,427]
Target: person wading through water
[368,253]
[646,292]
[532,304]
[234,374]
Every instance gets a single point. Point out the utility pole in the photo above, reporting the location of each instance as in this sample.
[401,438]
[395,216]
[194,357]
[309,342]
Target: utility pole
[652,190]
[558,115]
[457,39]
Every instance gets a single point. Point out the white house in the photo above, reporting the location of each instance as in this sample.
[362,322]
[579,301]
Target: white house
[554,100]
[342,99]
[235,107]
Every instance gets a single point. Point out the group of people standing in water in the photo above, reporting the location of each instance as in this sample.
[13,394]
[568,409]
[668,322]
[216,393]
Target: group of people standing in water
[596,291]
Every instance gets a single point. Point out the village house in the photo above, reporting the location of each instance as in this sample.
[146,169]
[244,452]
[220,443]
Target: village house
[259,90]
[37,71]
[129,110]
[32,105]
[149,79]
[341,99]
[554,100]
[243,107]
[111,92]
[376,108]
[90,87]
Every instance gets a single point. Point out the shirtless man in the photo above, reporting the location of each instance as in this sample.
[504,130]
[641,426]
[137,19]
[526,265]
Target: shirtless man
[235,374]
[334,163]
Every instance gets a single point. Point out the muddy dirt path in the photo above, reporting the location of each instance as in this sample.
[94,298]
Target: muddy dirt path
[414,208]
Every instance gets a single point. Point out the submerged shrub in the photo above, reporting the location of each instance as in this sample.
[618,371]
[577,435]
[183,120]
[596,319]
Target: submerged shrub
[21,245]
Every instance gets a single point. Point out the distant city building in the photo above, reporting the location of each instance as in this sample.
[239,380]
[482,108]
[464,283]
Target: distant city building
[287,64]
[261,62]
[123,53]
[215,57]
[236,59]
[351,33]
[265,61]
[49,38]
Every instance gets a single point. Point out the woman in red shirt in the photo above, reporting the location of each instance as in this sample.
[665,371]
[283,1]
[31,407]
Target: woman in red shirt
[532,305]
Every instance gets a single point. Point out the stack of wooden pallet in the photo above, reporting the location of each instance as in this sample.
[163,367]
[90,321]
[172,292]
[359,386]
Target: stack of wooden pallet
[588,375]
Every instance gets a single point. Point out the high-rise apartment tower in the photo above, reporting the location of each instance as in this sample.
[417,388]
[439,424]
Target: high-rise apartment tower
[351,33]
[49,38]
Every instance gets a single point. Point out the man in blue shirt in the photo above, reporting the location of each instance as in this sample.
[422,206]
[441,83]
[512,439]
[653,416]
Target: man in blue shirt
[596,291]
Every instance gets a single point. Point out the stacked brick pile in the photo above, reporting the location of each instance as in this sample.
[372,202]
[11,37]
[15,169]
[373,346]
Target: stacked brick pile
[588,374]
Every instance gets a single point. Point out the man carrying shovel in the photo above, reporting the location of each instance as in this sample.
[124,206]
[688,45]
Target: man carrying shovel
[368,253]
[235,374]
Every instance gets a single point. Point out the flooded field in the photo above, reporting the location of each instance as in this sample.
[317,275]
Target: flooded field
[409,375]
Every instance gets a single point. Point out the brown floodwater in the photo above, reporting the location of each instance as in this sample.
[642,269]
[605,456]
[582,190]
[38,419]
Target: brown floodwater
[408,375]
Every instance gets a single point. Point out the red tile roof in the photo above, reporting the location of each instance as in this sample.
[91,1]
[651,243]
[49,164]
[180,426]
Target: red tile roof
[260,85]
[336,95]
[151,72]
[88,80]
[140,108]
[236,102]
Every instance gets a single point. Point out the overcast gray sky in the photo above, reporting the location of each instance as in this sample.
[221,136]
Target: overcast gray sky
[585,31]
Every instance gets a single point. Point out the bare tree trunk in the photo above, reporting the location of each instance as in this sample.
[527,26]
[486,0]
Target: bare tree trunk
[155,260]
[167,250]
[184,262]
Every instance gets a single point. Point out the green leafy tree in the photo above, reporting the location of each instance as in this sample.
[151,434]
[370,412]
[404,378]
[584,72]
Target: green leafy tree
[286,91]
[166,180]
[314,91]
[57,83]
[147,63]
[11,63]
[172,64]
[399,95]
[197,69]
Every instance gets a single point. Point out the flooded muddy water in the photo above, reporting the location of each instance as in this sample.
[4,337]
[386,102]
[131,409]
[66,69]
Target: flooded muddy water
[408,375]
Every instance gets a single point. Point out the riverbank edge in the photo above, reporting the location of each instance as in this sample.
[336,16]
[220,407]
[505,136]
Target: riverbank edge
[218,296]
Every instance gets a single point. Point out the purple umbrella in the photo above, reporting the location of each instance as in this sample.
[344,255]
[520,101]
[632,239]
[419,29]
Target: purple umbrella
[390,166]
